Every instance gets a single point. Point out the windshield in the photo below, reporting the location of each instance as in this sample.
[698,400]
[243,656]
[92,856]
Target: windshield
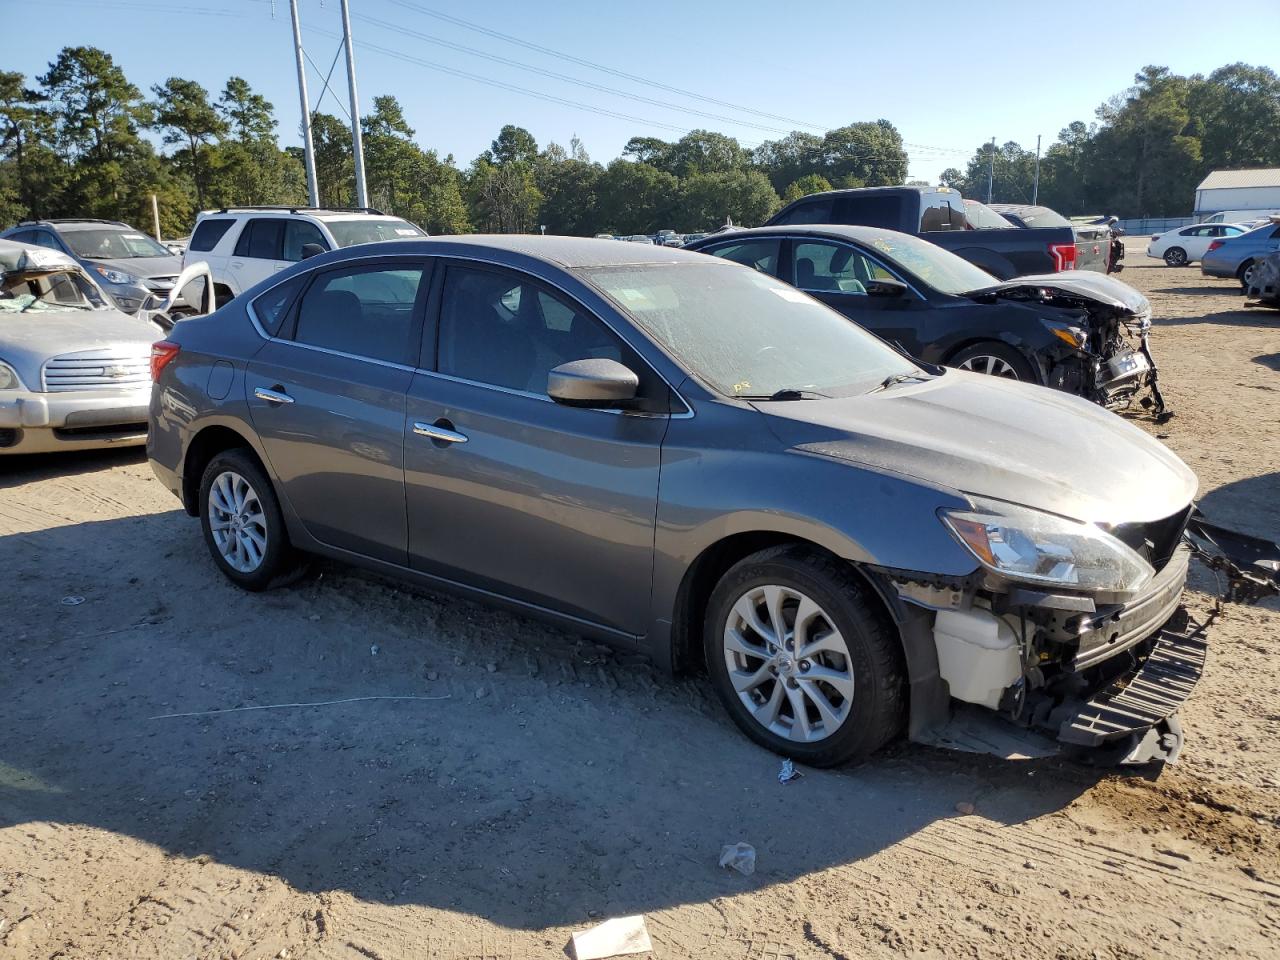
[55,292]
[940,269]
[746,334]
[981,217]
[113,244]
[348,233]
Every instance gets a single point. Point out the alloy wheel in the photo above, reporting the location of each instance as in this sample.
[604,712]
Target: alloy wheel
[993,366]
[788,663]
[237,522]
[1177,257]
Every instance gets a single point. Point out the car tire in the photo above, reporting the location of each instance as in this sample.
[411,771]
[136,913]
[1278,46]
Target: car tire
[854,662]
[242,523]
[994,359]
[1245,274]
[1175,257]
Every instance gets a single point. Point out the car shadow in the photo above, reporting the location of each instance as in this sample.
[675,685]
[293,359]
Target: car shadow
[1204,289]
[1269,360]
[1244,317]
[1250,506]
[555,778]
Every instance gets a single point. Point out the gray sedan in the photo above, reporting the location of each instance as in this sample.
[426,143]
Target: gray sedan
[689,458]
[1238,256]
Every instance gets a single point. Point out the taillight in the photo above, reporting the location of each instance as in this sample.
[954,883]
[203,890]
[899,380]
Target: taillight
[1064,256]
[161,353]
[1214,245]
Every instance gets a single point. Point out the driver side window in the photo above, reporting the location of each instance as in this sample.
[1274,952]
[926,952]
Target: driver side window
[822,267]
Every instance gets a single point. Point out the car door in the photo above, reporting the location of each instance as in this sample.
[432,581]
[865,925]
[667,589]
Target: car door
[258,253]
[511,492]
[1195,240]
[327,398]
[838,275]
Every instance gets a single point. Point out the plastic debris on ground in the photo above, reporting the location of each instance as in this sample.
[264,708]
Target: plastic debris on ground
[740,857]
[788,772]
[613,938]
[72,601]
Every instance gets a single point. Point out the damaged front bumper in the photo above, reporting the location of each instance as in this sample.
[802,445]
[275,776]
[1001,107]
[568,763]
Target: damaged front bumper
[1060,674]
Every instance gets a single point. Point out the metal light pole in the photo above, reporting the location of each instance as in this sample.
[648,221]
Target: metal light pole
[357,143]
[1035,184]
[991,168]
[308,148]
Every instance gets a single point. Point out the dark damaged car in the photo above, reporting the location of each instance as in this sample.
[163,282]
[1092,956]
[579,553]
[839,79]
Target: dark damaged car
[1079,331]
[697,462]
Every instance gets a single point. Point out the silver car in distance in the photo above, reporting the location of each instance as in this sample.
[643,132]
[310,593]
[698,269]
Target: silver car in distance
[685,457]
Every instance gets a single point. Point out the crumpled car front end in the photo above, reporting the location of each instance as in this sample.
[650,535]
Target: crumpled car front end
[1104,326]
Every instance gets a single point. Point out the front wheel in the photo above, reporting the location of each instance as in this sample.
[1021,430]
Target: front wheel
[1175,257]
[802,658]
[242,523]
[995,359]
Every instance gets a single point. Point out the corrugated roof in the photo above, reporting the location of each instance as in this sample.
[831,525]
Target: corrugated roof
[1267,177]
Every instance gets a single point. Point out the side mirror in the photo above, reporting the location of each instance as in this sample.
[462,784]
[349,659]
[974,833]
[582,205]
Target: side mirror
[312,250]
[886,288]
[592,383]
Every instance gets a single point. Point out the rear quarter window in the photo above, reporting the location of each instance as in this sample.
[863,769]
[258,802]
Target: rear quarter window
[273,306]
[208,233]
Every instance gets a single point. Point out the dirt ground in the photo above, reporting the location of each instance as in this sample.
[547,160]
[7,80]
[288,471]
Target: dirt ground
[559,784]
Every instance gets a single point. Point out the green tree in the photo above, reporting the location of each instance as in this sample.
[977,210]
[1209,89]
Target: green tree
[785,161]
[570,190]
[249,116]
[97,114]
[335,165]
[33,174]
[513,145]
[803,186]
[703,151]
[650,150]
[636,198]
[183,113]
[708,200]
[1236,113]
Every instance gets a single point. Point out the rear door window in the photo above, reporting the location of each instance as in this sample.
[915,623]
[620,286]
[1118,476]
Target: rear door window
[884,210]
[822,267]
[940,214]
[208,233]
[262,239]
[367,311]
[759,254]
[815,211]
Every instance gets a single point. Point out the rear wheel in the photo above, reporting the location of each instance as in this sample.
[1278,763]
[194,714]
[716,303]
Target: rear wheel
[1245,273]
[995,359]
[802,658]
[242,523]
[1175,257]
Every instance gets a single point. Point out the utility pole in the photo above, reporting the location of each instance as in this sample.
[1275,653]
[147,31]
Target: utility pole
[1035,184]
[308,148]
[357,144]
[991,168]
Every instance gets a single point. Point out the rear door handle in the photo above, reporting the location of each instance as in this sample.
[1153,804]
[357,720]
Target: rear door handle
[437,432]
[272,396]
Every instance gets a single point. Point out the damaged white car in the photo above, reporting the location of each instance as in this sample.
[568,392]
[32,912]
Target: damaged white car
[75,372]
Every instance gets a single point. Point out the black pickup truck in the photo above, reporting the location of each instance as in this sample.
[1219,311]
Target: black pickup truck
[938,214]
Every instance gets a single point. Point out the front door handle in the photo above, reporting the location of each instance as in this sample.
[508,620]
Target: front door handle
[438,432]
[272,396]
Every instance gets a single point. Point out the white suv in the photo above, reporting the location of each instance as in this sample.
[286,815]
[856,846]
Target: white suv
[244,245]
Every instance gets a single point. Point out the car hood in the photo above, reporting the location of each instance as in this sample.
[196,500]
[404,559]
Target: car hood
[142,267]
[1083,283]
[27,341]
[996,439]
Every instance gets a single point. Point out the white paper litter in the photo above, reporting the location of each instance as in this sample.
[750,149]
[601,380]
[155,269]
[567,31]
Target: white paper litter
[613,938]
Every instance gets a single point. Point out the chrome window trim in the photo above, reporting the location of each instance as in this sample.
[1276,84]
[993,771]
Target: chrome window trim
[686,414]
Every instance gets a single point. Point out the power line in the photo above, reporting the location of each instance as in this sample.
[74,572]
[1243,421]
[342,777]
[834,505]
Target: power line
[666,104]
[458,21]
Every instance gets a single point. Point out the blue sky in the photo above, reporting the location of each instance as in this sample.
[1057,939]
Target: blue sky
[1009,70]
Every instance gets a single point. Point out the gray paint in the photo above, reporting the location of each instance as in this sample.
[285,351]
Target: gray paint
[593,518]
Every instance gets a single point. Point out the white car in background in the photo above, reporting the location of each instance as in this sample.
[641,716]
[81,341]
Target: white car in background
[245,245]
[1185,245]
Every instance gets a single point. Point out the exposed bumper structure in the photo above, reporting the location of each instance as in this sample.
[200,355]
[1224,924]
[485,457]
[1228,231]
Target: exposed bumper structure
[75,419]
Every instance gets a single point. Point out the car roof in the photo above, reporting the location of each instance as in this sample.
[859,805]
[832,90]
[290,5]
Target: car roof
[835,231]
[566,252]
[69,223]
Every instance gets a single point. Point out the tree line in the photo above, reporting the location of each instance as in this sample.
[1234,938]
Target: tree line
[74,142]
[1148,149]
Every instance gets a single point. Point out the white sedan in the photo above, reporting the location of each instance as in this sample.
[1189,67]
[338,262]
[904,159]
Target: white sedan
[1179,247]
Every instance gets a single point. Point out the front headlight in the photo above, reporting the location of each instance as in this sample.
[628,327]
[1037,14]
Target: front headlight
[116,276]
[1034,547]
[1072,336]
[9,377]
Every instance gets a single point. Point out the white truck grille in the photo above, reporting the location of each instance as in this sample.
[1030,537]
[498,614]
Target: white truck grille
[121,367]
